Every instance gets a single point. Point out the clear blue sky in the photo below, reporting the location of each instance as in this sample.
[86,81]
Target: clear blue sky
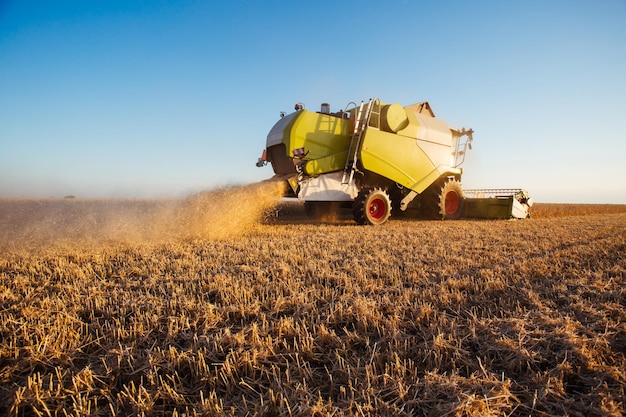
[162,98]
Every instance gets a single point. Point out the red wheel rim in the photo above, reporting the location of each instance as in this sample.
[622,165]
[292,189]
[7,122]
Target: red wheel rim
[452,202]
[377,208]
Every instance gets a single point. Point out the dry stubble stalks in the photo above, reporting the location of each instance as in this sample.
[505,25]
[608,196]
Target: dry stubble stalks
[467,318]
[543,210]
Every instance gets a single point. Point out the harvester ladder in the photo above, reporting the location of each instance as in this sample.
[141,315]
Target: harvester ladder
[361,121]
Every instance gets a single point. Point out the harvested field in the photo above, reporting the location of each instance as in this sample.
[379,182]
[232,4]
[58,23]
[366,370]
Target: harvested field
[543,210]
[171,308]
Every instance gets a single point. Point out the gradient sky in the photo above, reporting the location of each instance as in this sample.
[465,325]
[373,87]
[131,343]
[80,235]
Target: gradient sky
[162,98]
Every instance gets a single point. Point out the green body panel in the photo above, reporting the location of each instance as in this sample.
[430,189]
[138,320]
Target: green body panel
[412,129]
[398,158]
[326,139]
[488,208]
[326,164]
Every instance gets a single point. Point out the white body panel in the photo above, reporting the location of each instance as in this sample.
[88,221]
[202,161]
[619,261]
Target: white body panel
[436,140]
[327,187]
[275,137]
[519,210]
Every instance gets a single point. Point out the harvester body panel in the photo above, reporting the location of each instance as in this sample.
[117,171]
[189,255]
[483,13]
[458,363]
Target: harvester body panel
[327,187]
[323,138]
[405,160]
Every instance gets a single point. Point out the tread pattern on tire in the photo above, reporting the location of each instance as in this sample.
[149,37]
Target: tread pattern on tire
[451,185]
[359,207]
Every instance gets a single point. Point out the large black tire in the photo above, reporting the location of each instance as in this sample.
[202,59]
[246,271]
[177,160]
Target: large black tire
[451,200]
[372,206]
[429,201]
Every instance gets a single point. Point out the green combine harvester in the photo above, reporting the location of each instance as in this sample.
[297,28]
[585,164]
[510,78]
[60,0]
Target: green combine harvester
[378,158]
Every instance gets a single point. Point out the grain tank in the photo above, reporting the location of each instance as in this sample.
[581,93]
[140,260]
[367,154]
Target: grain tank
[375,156]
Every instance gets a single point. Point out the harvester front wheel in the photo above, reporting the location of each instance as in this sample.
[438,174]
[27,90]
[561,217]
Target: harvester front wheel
[451,200]
[371,206]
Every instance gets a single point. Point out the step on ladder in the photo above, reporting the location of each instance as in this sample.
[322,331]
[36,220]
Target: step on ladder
[362,120]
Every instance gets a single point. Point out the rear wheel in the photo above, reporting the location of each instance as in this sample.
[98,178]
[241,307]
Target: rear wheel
[371,206]
[451,200]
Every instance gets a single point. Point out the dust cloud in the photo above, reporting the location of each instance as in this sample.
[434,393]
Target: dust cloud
[213,214]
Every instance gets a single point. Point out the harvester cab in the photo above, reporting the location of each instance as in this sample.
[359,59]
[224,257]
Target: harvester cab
[371,157]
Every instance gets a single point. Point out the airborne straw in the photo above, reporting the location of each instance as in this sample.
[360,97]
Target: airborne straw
[213,214]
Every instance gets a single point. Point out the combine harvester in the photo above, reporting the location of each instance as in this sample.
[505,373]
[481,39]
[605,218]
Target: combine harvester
[377,158]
